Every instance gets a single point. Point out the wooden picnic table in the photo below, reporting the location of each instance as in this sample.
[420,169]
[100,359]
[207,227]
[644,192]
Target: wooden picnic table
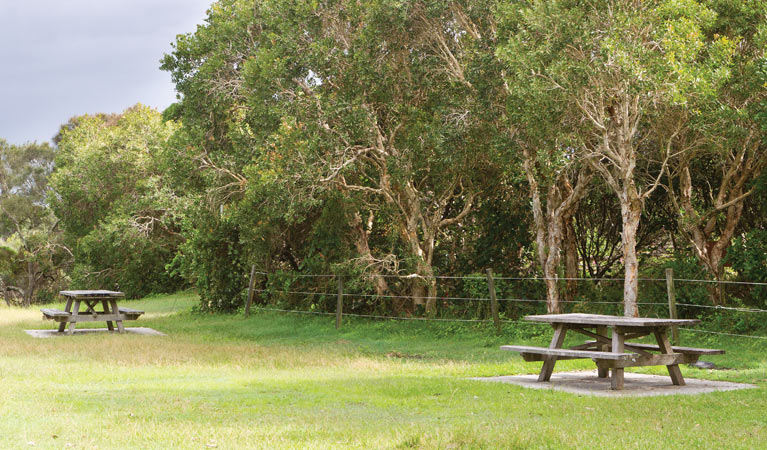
[91,299]
[613,353]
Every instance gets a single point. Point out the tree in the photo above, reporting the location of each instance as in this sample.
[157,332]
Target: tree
[622,66]
[119,215]
[538,120]
[724,145]
[366,100]
[26,218]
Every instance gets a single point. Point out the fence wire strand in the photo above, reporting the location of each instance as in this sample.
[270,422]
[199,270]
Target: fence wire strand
[726,308]
[372,316]
[481,299]
[724,334]
[427,319]
[474,277]
[485,299]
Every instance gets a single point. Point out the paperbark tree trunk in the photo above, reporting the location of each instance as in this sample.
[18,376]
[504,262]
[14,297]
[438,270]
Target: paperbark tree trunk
[738,169]
[362,245]
[561,202]
[615,157]
[424,286]
[571,260]
[553,305]
[31,282]
[631,211]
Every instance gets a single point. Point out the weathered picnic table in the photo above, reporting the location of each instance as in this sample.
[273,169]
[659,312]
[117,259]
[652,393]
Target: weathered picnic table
[73,312]
[613,353]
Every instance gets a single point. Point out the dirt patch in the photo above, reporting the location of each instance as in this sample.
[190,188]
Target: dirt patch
[396,354]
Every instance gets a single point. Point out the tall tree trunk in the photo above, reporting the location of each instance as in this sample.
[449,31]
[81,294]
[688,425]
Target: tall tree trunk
[30,291]
[547,240]
[571,260]
[362,245]
[553,305]
[427,270]
[561,202]
[700,228]
[431,289]
[553,258]
[716,251]
[631,211]
[424,287]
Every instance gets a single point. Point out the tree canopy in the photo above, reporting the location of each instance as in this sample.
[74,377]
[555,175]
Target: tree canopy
[399,144]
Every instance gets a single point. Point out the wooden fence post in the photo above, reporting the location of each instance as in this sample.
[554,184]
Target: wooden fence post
[251,288]
[493,302]
[672,303]
[340,302]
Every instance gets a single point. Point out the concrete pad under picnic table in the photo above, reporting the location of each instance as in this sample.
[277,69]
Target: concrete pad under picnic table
[128,330]
[635,384]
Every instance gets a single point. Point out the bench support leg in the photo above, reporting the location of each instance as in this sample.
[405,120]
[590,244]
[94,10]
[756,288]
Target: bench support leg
[616,381]
[115,310]
[602,331]
[67,308]
[105,305]
[75,312]
[665,347]
[550,361]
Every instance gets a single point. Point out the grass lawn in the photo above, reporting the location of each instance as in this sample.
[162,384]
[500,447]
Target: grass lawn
[293,381]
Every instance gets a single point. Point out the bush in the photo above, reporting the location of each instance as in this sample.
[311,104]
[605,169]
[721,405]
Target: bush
[748,257]
[213,258]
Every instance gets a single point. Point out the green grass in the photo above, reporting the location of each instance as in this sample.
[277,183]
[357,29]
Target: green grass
[289,381]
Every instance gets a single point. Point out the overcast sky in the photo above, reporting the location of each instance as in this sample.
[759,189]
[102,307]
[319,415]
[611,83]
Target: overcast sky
[61,58]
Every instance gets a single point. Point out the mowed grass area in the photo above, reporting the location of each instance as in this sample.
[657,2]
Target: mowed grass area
[292,381]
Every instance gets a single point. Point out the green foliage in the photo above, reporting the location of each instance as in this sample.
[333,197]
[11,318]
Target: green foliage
[212,256]
[119,215]
[35,257]
[315,114]
[300,118]
[748,257]
[350,137]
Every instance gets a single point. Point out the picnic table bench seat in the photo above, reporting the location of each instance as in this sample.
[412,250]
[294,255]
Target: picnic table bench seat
[675,349]
[539,353]
[55,314]
[131,314]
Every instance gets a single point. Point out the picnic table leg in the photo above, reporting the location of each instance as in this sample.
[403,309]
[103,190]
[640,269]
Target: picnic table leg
[67,308]
[73,323]
[115,310]
[665,347]
[550,361]
[602,331]
[105,305]
[616,381]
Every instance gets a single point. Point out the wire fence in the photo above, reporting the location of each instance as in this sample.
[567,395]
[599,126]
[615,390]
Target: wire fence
[424,319]
[478,299]
[659,308]
[478,277]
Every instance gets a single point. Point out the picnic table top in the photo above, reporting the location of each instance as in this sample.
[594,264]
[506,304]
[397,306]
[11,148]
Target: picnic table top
[92,293]
[599,319]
